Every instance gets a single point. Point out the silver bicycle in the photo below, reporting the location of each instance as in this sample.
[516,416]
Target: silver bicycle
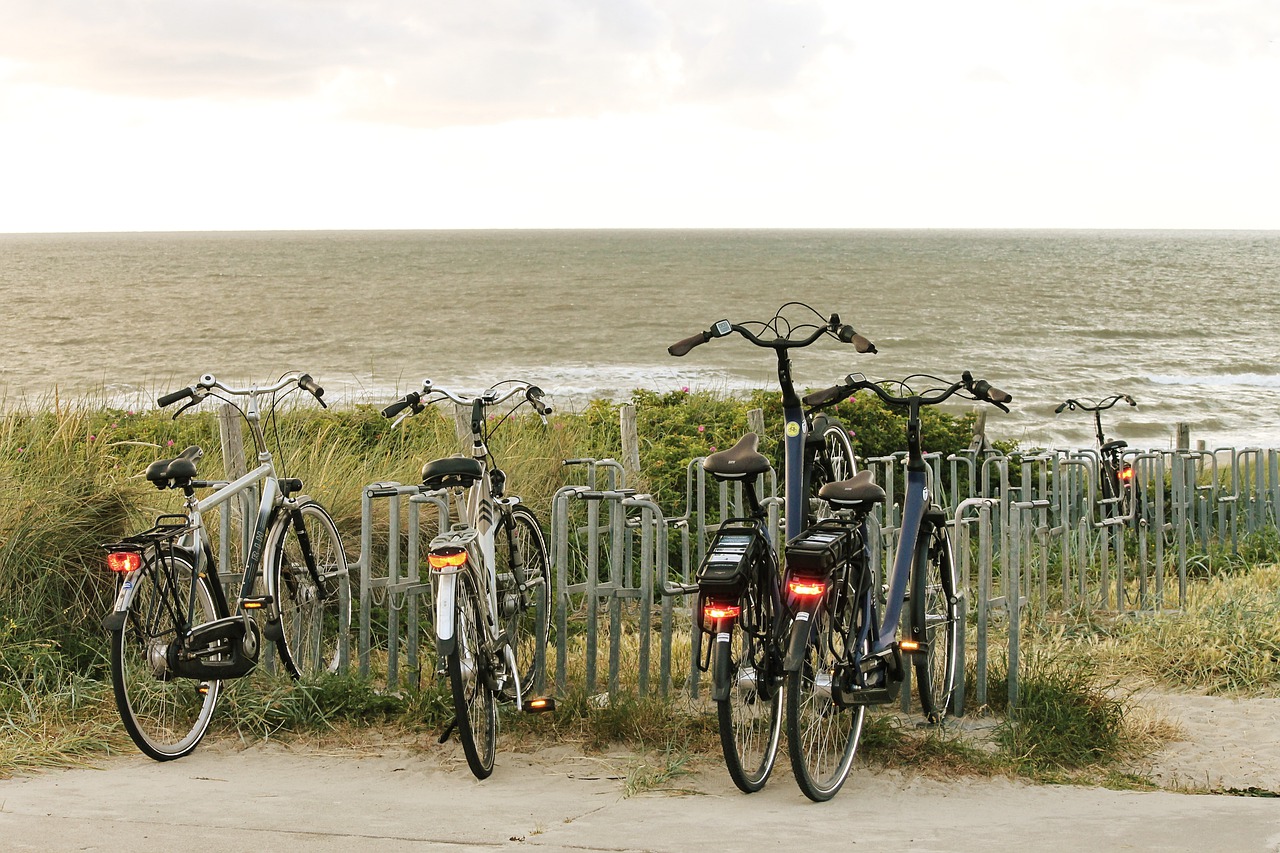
[175,637]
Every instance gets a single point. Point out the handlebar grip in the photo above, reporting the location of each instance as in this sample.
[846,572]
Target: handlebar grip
[174,396]
[997,396]
[534,396]
[682,347]
[306,383]
[826,396]
[847,335]
[410,399]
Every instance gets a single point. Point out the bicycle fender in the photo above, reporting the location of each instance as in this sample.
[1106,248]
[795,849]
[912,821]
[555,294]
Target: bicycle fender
[445,609]
[721,675]
[800,630]
[114,620]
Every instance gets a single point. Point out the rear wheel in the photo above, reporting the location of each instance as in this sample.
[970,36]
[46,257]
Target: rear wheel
[470,677]
[165,715]
[935,623]
[313,588]
[524,592]
[750,717]
[822,736]
[833,463]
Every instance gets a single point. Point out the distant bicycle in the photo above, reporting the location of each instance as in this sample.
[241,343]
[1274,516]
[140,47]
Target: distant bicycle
[743,606]
[174,636]
[491,574]
[1116,475]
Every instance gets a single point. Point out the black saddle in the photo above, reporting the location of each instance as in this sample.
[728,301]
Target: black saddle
[740,462]
[1113,445]
[177,472]
[453,471]
[858,492]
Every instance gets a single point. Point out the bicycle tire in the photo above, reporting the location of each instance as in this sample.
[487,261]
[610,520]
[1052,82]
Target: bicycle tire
[750,725]
[822,736]
[314,607]
[935,622]
[526,608]
[833,463]
[165,715]
[468,665]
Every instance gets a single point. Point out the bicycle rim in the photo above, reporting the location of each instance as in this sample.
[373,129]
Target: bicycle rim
[521,560]
[469,668]
[166,716]
[935,622]
[750,725]
[822,736]
[315,606]
[835,462]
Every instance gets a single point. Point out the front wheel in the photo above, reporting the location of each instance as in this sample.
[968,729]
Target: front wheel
[750,717]
[166,715]
[935,624]
[822,735]
[470,670]
[310,581]
[833,462]
[524,592]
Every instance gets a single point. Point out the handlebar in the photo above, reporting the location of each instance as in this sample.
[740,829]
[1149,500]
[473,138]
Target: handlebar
[1091,406]
[974,389]
[784,334]
[417,401]
[208,383]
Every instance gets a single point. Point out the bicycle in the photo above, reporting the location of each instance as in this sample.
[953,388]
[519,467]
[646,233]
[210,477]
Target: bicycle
[491,574]
[852,655]
[1116,475]
[740,598]
[174,636]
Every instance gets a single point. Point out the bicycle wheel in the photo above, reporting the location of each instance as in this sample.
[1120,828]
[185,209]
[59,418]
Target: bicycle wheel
[935,622]
[524,590]
[750,718]
[822,736]
[470,677]
[165,715]
[832,463]
[311,584]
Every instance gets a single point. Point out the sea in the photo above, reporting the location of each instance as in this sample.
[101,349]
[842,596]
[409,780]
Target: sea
[1182,321]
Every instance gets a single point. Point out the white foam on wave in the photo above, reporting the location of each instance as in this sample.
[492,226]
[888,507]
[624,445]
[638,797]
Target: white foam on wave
[1245,380]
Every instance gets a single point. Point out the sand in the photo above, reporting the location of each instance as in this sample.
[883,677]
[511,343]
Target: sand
[388,797]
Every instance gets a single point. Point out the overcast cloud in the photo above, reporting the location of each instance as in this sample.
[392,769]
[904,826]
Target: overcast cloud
[505,113]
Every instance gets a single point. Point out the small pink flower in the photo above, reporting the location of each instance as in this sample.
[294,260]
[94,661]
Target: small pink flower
[701,428]
[130,412]
[93,437]
[684,389]
[713,448]
[169,443]
[22,450]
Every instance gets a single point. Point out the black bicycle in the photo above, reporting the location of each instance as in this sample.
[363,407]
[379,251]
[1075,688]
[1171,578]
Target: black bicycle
[741,601]
[1115,476]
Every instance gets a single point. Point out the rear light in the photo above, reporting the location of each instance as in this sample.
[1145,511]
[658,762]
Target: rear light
[450,559]
[807,589]
[720,611]
[1126,474]
[124,562]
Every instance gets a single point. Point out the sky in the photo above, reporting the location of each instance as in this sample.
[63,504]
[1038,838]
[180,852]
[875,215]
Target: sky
[181,115]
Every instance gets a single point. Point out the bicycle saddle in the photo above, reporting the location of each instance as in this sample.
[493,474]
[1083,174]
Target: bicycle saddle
[176,472]
[1112,445]
[740,462]
[858,489]
[452,471]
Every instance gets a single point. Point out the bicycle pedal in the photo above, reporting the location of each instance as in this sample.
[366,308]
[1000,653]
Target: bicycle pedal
[540,705]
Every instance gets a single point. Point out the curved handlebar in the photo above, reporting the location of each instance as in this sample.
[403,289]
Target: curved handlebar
[419,400]
[784,334]
[975,389]
[208,383]
[1091,406]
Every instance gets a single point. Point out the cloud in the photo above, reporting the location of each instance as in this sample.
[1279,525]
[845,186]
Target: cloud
[420,63]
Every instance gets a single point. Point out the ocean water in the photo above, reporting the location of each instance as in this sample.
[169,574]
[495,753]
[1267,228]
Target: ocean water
[1185,322]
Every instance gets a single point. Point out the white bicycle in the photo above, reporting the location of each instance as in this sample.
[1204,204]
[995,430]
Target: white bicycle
[491,575]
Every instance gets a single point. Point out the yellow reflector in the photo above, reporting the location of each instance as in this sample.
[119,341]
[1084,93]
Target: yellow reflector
[450,559]
[252,605]
[124,561]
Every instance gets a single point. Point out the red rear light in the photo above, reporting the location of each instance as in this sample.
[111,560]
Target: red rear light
[806,588]
[1126,474]
[721,611]
[124,562]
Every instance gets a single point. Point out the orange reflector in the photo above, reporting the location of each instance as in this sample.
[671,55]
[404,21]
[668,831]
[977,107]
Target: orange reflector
[721,611]
[807,588]
[909,646]
[450,559]
[124,561]
[540,704]
[252,605]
